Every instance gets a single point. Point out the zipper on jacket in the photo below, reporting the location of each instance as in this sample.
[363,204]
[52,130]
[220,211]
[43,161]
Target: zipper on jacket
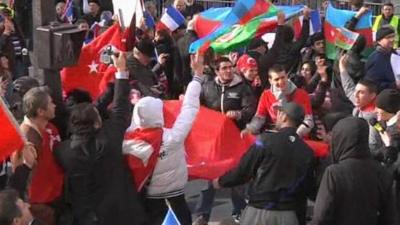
[222,99]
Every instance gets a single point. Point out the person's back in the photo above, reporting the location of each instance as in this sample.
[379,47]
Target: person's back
[279,167]
[355,189]
[98,186]
[280,170]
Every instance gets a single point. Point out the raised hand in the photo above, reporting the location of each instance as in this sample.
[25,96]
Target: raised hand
[120,62]
[362,11]
[281,18]
[343,62]
[197,63]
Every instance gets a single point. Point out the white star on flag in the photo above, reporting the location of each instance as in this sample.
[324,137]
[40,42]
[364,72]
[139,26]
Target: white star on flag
[93,67]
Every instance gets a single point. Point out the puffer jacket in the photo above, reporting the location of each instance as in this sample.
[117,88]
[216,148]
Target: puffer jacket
[170,174]
[236,95]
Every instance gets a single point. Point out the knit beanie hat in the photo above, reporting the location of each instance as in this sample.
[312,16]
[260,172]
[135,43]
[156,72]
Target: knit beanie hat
[384,31]
[389,100]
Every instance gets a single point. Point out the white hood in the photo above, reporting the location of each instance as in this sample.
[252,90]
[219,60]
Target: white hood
[148,113]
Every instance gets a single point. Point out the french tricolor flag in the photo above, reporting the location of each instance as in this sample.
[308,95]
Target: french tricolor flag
[315,23]
[171,19]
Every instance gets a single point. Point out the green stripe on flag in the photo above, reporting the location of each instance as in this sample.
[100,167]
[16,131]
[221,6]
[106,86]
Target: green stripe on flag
[330,50]
[238,36]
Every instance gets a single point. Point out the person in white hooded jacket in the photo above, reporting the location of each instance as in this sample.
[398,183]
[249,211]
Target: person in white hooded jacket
[170,174]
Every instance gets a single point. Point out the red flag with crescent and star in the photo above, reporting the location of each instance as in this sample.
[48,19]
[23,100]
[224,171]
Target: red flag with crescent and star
[90,72]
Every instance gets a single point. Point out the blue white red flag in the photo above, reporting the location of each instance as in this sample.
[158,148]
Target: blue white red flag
[171,19]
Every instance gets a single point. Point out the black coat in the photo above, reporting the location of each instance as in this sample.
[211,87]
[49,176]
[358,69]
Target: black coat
[279,166]
[99,187]
[355,190]
[183,46]
[284,51]
[145,80]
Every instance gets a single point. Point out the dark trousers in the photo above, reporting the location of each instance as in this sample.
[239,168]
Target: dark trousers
[157,209]
[207,195]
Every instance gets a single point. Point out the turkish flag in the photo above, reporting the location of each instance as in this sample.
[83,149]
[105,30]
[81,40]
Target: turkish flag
[90,73]
[11,138]
[214,145]
[148,140]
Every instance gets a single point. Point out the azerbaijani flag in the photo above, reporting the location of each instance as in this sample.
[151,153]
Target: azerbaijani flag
[240,15]
[345,38]
[223,40]
[336,18]
[210,19]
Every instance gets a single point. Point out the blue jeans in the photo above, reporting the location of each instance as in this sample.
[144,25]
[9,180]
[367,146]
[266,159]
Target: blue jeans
[207,195]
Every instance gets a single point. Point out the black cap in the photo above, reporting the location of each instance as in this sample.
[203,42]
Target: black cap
[384,31]
[294,111]
[94,1]
[389,100]
[59,1]
[146,47]
[255,43]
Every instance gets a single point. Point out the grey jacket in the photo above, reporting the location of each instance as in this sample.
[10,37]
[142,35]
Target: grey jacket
[374,140]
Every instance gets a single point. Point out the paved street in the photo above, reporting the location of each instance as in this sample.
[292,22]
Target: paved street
[222,204]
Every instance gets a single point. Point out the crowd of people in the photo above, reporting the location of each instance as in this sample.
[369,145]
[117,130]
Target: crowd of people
[74,167]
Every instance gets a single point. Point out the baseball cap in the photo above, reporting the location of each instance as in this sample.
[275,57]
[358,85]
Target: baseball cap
[294,111]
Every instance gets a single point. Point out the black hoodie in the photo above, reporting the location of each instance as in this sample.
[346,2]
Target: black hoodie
[355,190]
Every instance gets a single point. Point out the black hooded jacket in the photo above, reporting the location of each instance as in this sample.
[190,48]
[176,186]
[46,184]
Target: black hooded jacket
[355,190]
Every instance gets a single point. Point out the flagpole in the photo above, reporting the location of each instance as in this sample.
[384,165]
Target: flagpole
[121,20]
